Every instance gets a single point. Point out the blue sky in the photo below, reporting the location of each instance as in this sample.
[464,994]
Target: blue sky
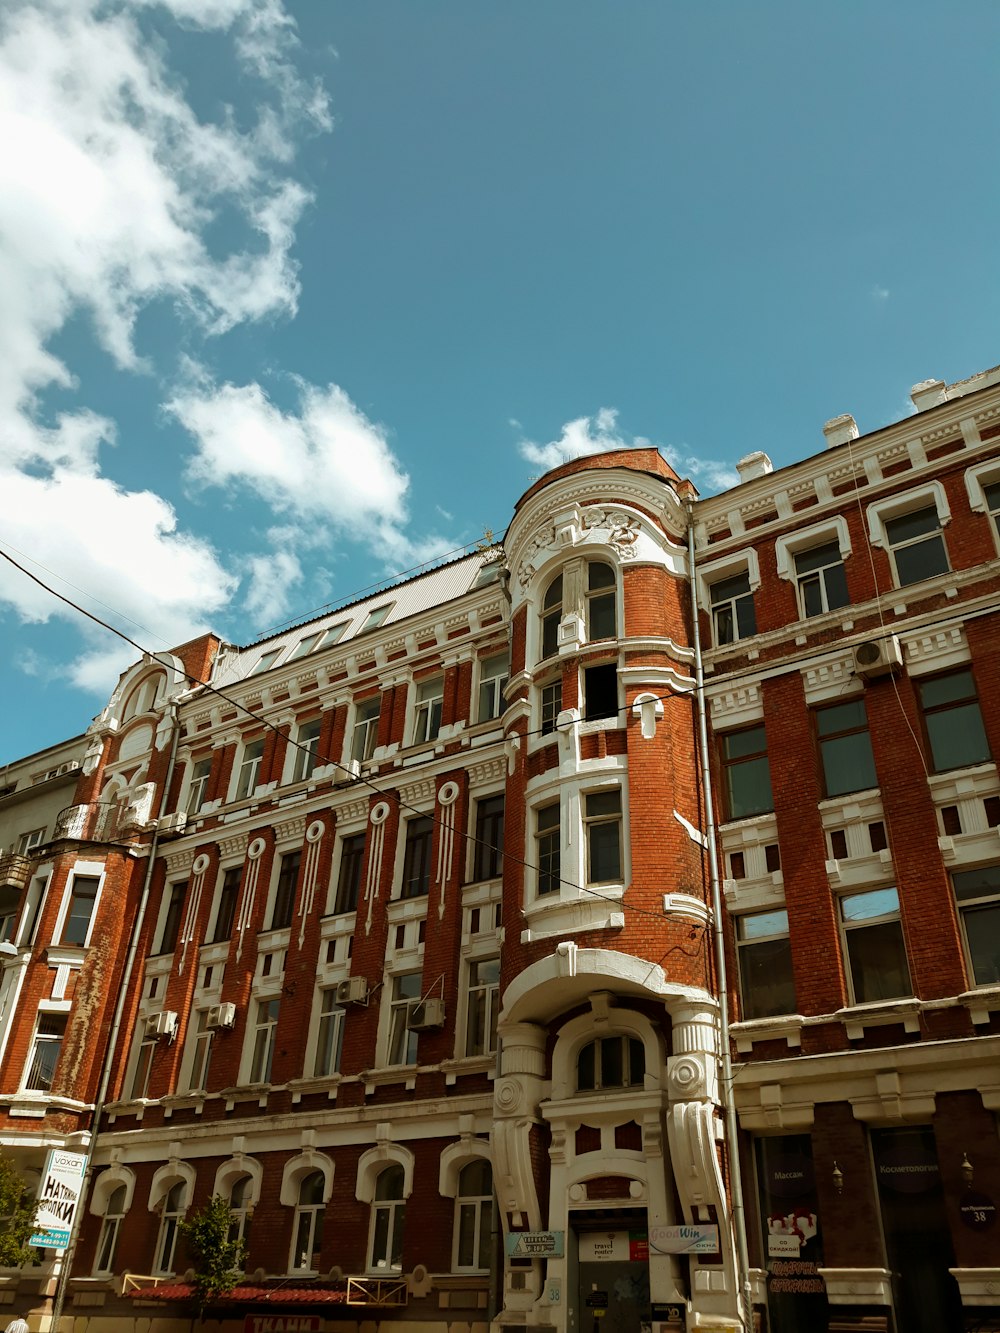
[297,295]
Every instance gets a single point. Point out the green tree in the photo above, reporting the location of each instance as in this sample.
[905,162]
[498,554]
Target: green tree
[18,1209]
[218,1258]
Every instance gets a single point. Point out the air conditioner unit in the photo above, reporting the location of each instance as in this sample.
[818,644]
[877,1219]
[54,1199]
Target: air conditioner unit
[172,823]
[878,657]
[349,772]
[353,991]
[424,1014]
[222,1015]
[162,1025]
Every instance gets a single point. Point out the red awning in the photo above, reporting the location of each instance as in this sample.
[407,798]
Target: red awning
[247,1295]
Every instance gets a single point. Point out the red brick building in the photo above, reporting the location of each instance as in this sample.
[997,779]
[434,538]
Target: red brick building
[397,929]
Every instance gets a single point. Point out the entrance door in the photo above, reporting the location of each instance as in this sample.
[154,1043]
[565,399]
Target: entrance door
[917,1238]
[613,1274]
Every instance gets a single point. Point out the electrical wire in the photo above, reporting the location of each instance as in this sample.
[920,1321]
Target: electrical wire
[385,793]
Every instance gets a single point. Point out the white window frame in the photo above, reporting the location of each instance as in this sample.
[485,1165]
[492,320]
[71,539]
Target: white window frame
[803,541]
[213,920]
[251,766]
[428,709]
[266,661]
[453,1160]
[976,480]
[333,893]
[81,870]
[365,724]
[141,1065]
[259,1069]
[491,991]
[31,909]
[305,646]
[313,1213]
[376,617]
[880,512]
[396,1009]
[295,1171]
[38,1040]
[329,1015]
[305,751]
[726,567]
[491,686]
[847,928]
[396,1210]
[174,1175]
[107,1186]
[196,784]
[27,841]
[590,822]
[198,1057]
[483,1206]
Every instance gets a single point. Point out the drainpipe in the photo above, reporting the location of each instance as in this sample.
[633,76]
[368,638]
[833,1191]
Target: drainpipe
[66,1266]
[725,1060]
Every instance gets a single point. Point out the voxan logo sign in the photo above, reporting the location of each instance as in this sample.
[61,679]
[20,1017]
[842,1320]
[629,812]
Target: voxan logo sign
[58,1198]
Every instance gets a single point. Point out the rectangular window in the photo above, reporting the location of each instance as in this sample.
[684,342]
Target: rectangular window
[427,714]
[284,893]
[551,705]
[493,673]
[266,661]
[263,1040]
[600,691]
[83,897]
[821,580]
[376,617]
[917,545]
[733,615]
[484,991]
[547,848]
[765,956]
[143,1069]
[334,634]
[172,920]
[29,840]
[365,736]
[601,599]
[873,944]
[602,826]
[226,912]
[305,645]
[352,856]
[845,748]
[403,1042]
[202,1056]
[953,721]
[991,494]
[45,1049]
[747,773]
[307,745]
[330,1037]
[978,895]
[487,860]
[253,754]
[200,772]
[417,857]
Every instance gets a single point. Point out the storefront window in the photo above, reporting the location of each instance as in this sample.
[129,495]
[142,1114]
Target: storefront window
[792,1232]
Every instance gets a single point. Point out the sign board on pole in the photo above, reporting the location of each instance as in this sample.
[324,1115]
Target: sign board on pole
[698,1238]
[535,1244]
[58,1198]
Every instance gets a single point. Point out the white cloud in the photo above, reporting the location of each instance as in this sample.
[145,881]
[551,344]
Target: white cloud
[327,466]
[584,436]
[109,183]
[880,293]
[272,577]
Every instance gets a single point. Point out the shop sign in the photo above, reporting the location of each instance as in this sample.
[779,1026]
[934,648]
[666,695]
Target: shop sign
[802,1278]
[699,1238]
[278,1323]
[908,1170]
[58,1198]
[597,1300]
[603,1247]
[977,1211]
[790,1175]
[783,1244]
[535,1244]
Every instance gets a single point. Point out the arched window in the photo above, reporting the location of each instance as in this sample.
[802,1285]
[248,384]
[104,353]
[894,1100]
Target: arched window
[601,599]
[611,1062]
[388,1221]
[552,605]
[308,1233]
[114,1211]
[174,1206]
[240,1202]
[473,1217]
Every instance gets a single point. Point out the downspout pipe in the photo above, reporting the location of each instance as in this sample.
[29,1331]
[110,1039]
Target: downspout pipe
[109,1052]
[725,1059]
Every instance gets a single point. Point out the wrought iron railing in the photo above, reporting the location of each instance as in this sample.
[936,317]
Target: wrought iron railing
[376,1291]
[95,821]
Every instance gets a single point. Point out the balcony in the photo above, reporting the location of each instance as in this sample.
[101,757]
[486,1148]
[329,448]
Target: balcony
[15,871]
[96,821]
